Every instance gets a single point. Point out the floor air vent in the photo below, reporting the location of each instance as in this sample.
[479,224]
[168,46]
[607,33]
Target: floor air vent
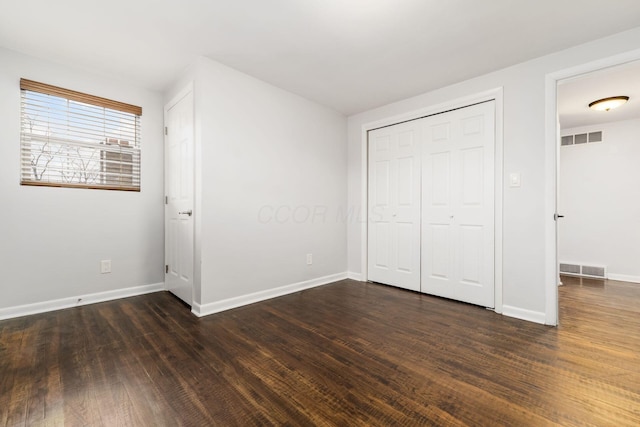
[583,270]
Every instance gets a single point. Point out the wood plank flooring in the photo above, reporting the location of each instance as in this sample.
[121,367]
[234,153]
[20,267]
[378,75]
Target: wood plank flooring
[345,354]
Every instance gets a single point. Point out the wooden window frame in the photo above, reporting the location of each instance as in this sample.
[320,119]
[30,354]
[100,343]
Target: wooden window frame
[114,153]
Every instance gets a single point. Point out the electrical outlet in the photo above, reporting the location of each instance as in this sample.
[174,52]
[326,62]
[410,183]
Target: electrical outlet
[309,259]
[105,266]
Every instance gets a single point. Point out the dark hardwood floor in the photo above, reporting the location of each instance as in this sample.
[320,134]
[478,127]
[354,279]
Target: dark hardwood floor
[344,354]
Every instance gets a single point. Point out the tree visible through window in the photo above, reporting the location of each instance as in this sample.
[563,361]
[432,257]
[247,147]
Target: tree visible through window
[71,139]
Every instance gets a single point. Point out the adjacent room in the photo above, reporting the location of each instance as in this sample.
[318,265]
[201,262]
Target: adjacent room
[597,192]
[362,212]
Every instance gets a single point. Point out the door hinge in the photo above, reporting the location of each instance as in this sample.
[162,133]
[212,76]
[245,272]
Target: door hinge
[166,130]
[166,268]
[166,200]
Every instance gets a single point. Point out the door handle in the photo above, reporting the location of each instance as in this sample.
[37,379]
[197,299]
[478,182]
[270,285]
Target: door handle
[556,216]
[189,212]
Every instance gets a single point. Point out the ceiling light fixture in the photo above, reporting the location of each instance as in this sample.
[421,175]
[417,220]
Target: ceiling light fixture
[607,104]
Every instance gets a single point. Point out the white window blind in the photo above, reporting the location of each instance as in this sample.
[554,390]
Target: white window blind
[71,139]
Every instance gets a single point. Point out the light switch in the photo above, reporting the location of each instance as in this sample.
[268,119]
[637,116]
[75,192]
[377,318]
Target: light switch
[514,179]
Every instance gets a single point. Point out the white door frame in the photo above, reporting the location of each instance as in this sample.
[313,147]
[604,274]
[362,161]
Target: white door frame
[490,95]
[188,88]
[552,147]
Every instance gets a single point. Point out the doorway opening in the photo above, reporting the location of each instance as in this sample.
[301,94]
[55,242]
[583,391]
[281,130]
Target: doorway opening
[593,165]
[179,196]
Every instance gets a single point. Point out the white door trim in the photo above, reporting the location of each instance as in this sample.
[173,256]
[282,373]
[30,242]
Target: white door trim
[181,94]
[490,95]
[551,166]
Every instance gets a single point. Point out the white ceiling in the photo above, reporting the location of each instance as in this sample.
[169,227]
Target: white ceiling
[350,55]
[575,95]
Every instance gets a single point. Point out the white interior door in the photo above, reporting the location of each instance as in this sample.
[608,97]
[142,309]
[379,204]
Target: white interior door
[394,205]
[458,204]
[179,178]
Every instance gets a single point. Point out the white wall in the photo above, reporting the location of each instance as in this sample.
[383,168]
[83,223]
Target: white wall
[600,198]
[272,184]
[524,152]
[52,239]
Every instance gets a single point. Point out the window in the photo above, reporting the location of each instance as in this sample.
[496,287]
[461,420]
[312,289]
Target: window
[71,139]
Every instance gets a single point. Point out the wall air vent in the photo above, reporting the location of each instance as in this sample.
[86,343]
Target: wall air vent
[581,138]
[583,270]
[595,136]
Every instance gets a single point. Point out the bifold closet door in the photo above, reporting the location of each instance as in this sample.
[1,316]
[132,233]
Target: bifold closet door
[394,205]
[457,250]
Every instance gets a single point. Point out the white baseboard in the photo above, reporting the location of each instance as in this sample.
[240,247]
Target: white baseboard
[59,304]
[235,302]
[623,278]
[354,276]
[522,314]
